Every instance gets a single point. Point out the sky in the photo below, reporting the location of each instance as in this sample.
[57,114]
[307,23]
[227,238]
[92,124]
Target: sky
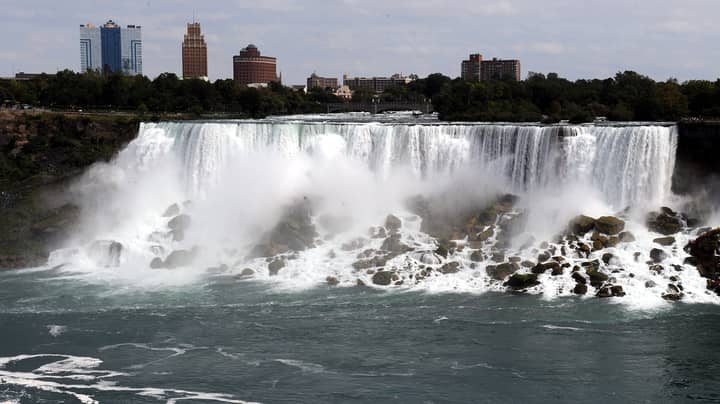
[577,39]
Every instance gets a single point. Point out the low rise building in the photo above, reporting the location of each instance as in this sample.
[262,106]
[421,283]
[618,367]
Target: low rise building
[476,69]
[375,84]
[315,81]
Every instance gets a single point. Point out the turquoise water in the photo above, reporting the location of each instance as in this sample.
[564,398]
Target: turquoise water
[228,340]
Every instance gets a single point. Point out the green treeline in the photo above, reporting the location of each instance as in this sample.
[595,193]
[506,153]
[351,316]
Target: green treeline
[625,97]
[165,94]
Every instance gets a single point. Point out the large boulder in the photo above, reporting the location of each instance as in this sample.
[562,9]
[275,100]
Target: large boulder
[609,225]
[581,225]
[172,210]
[500,272]
[392,223]
[394,245]
[522,281]
[178,226]
[275,266]
[176,259]
[657,255]
[665,222]
[382,278]
[705,251]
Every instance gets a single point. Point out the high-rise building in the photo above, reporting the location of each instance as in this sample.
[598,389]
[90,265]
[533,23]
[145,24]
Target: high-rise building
[111,49]
[315,81]
[249,67]
[477,69]
[375,84]
[194,53]
[471,68]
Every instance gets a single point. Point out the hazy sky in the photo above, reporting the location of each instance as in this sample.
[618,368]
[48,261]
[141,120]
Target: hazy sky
[578,39]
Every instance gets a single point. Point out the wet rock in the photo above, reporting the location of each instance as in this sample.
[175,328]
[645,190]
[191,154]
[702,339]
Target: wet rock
[657,268]
[527,264]
[393,244]
[377,232]
[450,268]
[275,266]
[392,223]
[580,289]
[485,234]
[604,292]
[665,241]
[544,256]
[500,272]
[607,257]
[498,256]
[609,225]
[172,210]
[382,278]
[179,258]
[579,278]
[332,281]
[657,255]
[476,256]
[617,291]
[705,251]
[442,250]
[665,222]
[673,297]
[247,272]
[179,222]
[156,263]
[650,284]
[106,253]
[597,278]
[522,281]
[542,268]
[427,257]
[582,224]
[626,237]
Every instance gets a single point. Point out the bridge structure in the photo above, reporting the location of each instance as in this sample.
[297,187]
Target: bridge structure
[379,107]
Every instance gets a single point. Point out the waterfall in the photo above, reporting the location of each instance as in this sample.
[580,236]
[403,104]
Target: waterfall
[627,165]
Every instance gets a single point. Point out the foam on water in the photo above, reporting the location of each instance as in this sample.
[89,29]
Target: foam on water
[241,176]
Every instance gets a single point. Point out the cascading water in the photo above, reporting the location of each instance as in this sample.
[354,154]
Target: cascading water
[239,177]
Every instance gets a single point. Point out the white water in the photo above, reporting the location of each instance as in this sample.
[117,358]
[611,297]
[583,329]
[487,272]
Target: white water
[241,175]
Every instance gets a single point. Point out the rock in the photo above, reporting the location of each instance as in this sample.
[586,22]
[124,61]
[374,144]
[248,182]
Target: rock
[392,223]
[673,297]
[597,278]
[275,266]
[582,224]
[650,284]
[498,256]
[179,258]
[106,253]
[156,263]
[522,281]
[527,264]
[354,244]
[657,255]
[617,291]
[542,268]
[579,278]
[544,256]
[665,241]
[427,257]
[607,257]
[604,292]
[705,251]
[666,222]
[500,272]
[393,244]
[476,256]
[450,268]
[609,225]
[626,237]
[179,222]
[485,234]
[247,272]
[580,289]
[172,210]
[378,232]
[382,278]
[332,281]
[442,250]
[657,268]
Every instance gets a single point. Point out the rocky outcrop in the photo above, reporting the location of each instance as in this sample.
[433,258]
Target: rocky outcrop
[176,259]
[178,225]
[705,251]
[581,225]
[665,222]
[294,232]
[522,281]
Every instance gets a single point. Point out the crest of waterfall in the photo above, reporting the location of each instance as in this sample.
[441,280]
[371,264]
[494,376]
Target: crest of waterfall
[627,165]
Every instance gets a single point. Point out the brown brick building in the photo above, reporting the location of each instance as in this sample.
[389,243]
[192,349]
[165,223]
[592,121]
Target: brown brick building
[249,67]
[194,53]
[477,69]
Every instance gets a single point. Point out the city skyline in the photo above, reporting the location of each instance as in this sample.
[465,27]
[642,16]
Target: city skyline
[666,39]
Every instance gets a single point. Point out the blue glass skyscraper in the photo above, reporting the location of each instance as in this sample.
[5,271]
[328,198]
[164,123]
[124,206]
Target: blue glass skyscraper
[111,49]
